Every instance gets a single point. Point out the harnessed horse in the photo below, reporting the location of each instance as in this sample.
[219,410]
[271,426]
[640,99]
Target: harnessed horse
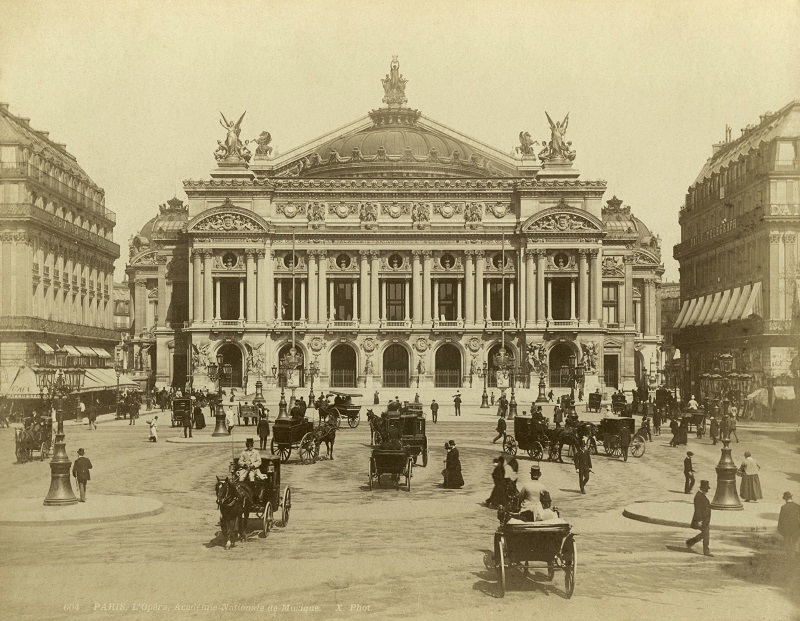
[235,502]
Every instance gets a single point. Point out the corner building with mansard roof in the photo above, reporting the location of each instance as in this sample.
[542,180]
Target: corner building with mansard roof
[397,251]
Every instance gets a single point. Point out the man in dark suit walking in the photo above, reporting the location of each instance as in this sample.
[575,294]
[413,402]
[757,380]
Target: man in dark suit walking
[457,403]
[434,411]
[624,442]
[688,472]
[701,518]
[80,470]
[789,525]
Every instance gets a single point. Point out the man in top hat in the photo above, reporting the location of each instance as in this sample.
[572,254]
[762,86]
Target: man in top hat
[457,403]
[789,525]
[249,463]
[701,519]
[583,463]
[531,494]
[80,470]
[688,472]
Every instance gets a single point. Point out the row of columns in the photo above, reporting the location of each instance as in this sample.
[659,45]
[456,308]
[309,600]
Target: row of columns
[421,294]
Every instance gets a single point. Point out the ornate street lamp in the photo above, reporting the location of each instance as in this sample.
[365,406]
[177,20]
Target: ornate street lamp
[289,364]
[259,398]
[59,384]
[420,368]
[118,372]
[216,372]
[312,370]
[483,372]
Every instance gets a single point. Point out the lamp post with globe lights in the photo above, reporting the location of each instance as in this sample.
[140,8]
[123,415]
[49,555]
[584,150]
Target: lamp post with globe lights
[287,373]
[59,383]
[312,371]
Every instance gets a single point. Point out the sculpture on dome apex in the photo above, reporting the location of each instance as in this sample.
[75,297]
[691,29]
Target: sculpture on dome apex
[394,86]
[557,148]
[233,147]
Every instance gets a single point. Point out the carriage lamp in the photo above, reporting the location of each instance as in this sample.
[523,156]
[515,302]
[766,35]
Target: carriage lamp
[483,373]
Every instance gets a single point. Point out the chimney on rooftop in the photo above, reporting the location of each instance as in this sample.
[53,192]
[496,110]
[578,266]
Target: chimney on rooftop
[3,106]
[25,121]
[728,130]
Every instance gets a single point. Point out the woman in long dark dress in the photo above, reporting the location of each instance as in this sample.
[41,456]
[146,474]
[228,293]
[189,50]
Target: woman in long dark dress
[452,472]
[498,495]
[750,489]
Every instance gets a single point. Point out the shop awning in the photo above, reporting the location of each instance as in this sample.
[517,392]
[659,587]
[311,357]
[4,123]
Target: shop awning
[86,351]
[761,395]
[753,305]
[737,312]
[96,380]
[45,348]
[72,351]
[689,313]
[682,314]
[712,308]
[23,386]
[702,310]
[721,307]
[691,317]
[726,317]
[102,353]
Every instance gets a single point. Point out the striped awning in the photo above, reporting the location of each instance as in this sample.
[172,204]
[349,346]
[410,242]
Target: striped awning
[86,351]
[102,353]
[72,351]
[45,348]
[721,307]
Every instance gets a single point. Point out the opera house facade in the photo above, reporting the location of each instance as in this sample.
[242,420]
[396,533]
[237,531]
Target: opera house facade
[393,253]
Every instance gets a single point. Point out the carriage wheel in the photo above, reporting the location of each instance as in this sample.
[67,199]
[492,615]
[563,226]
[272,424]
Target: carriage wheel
[637,446]
[424,459]
[272,446]
[613,446]
[44,450]
[371,473]
[500,563]
[284,451]
[287,505]
[354,420]
[510,446]
[570,566]
[536,451]
[553,451]
[307,449]
[268,519]
[408,475]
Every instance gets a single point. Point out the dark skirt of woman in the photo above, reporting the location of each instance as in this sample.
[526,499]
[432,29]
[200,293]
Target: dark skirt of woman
[750,488]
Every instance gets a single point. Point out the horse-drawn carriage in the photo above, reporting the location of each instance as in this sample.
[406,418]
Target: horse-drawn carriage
[595,402]
[609,432]
[397,463]
[406,424]
[550,543]
[537,438]
[619,404]
[530,435]
[288,434]
[696,419]
[310,442]
[248,413]
[236,500]
[37,436]
[343,408]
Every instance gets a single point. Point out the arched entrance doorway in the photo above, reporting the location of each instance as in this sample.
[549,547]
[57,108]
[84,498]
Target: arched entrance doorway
[301,363]
[558,361]
[343,367]
[231,355]
[447,367]
[395,367]
[491,381]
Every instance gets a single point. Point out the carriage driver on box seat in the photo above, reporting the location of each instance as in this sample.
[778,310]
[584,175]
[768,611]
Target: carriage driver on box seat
[249,463]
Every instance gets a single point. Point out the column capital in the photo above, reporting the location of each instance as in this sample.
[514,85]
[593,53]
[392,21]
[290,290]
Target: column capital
[530,253]
[415,253]
[207,254]
[364,253]
[140,282]
[318,252]
[540,253]
[249,253]
[375,254]
[629,259]
[789,237]
[197,254]
[583,253]
[774,238]
[260,254]
[593,253]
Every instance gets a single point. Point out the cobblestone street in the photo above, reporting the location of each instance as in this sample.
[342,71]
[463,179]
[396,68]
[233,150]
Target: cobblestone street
[350,553]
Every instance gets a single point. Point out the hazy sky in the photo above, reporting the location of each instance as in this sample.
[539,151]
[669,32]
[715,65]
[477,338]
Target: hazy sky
[134,88]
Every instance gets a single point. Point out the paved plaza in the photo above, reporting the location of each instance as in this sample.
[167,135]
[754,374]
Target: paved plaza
[351,553]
